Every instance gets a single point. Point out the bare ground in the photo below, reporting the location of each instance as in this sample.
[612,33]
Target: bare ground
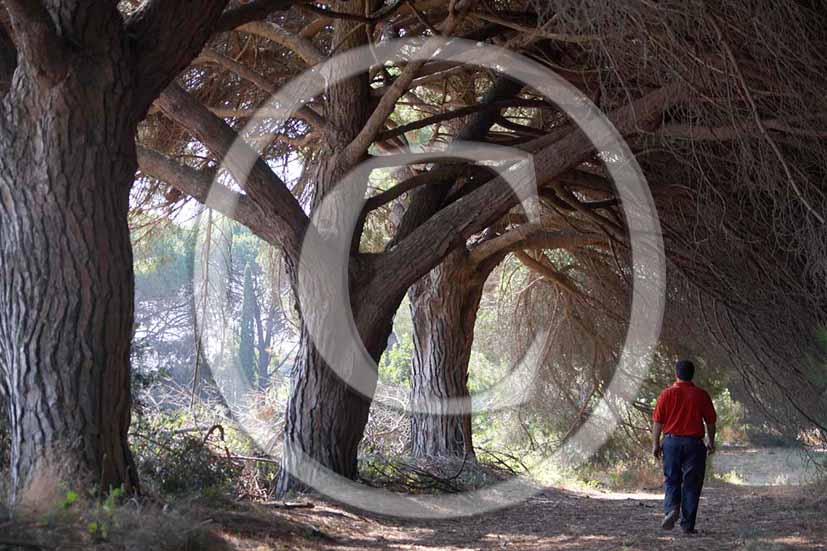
[755,518]
[731,517]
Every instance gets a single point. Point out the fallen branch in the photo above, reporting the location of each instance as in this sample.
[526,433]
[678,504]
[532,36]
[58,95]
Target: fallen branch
[287,505]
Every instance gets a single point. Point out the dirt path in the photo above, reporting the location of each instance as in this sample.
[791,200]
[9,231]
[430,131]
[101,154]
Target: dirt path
[731,517]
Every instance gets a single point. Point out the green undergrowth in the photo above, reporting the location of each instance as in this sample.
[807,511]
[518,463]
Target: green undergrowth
[75,520]
[79,520]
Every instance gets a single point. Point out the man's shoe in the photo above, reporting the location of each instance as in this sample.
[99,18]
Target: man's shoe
[670,519]
[689,531]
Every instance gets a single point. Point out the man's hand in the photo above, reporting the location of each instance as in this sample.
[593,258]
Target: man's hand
[710,433]
[657,450]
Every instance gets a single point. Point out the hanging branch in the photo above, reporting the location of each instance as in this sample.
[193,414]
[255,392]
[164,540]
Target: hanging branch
[199,333]
[760,123]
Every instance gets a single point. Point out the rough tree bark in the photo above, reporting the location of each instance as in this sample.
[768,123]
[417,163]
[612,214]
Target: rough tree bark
[325,417]
[444,307]
[66,275]
[84,77]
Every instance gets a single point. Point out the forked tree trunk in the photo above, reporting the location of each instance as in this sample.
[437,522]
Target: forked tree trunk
[67,159]
[444,306]
[325,418]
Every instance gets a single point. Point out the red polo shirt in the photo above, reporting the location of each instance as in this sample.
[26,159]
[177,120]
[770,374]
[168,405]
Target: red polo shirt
[682,408]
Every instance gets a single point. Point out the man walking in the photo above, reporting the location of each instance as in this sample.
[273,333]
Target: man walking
[680,414]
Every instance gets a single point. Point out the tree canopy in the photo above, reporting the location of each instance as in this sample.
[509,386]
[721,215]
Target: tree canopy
[720,104]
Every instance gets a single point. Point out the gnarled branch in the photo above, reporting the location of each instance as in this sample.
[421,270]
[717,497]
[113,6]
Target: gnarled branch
[201,186]
[386,106]
[532,236]
[262,185]
[454,224]
[302,47]
[168,35]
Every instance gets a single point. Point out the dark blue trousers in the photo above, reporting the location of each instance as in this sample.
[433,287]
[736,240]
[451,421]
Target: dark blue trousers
[684,466]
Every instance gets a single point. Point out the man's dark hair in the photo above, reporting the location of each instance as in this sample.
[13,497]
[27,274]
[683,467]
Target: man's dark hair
[685,370]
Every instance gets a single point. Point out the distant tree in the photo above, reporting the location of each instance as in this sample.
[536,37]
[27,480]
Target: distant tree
[247,328]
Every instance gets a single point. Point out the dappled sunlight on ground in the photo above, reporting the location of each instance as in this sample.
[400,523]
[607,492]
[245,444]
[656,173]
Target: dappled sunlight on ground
[731,517]
[749,518]
[615,496]
[765,466]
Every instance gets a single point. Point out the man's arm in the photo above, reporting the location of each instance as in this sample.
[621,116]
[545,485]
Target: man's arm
[657,428]
[710,431]
[710,418]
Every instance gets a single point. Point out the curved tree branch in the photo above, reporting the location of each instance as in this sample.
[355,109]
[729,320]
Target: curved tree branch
[532,236]
[262,185]
[427,200]
[251,11]
[440,176]
[168,35]
[454,224]
[548,273]
[457,113]
[201,186]
[315,27]
[303,47]
[386,106]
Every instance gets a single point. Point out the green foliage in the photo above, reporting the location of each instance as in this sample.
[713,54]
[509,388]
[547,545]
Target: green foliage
[176,460]
[69,500]
[730,425]
[163,260]
[102,515]
[395,365]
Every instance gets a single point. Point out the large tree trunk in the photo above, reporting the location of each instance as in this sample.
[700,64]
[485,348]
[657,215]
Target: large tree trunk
[444,306]
[67,159]
[84,78]
[325,418]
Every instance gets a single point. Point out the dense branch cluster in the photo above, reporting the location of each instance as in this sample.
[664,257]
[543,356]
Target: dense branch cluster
[734,161]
